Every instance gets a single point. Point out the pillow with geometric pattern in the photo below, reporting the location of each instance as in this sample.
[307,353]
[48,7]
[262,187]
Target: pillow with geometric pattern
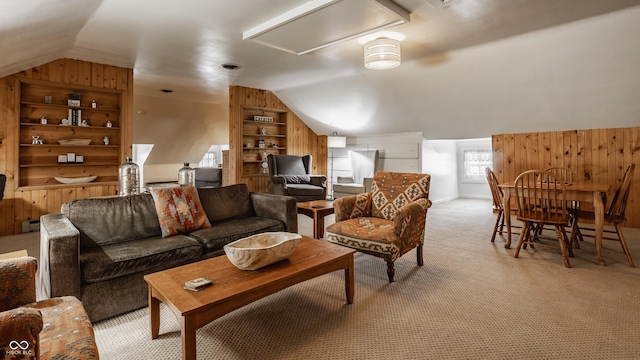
[179,210]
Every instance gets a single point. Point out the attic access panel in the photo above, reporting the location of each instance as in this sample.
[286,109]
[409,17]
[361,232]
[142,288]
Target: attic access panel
[321,23]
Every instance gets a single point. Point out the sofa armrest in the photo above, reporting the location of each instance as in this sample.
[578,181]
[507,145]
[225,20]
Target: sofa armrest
[18,281]
[18,326]
[410,220]
[350,207]
[59,257]
[277,207]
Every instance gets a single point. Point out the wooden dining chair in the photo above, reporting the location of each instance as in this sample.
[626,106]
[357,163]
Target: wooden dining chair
[615,214]
[540,197]
[567,177]
[498,204]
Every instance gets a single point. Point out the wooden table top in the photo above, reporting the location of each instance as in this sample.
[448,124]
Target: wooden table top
[315,204]
[229,281]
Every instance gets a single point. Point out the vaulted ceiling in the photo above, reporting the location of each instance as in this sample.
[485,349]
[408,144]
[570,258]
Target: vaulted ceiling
[181,45]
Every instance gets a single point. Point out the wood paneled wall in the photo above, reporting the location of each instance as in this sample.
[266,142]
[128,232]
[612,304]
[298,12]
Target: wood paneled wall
[595,156]
[20,205]
[300,139]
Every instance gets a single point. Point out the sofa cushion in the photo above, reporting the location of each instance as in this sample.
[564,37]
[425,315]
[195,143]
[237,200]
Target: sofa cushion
[179,210]
[227,202]
[122,218]
[116,260]
[220,234]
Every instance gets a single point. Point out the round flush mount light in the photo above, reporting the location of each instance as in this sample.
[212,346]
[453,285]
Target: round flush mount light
[166,91]
[231,66]
[382,53]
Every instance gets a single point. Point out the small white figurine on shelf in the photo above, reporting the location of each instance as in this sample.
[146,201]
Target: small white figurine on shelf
[36,140]
[106,140]
[108,124]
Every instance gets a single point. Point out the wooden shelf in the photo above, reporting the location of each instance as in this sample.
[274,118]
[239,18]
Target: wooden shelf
[69,164]
[265,148]
[37,163]
[73,146]
[264,122]
[266,135]
[71,126]
[59,106]
[56,186]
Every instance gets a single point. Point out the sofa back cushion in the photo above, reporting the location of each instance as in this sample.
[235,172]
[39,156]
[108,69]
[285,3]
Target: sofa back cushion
[226,203]
[110,220]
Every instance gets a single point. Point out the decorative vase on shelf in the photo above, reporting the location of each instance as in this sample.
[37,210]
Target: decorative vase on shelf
[129,178]
[186,176]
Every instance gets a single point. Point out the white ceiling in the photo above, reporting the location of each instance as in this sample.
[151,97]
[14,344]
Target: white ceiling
[181,45]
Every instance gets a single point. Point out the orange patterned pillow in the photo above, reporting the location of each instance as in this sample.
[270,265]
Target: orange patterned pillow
[179,210]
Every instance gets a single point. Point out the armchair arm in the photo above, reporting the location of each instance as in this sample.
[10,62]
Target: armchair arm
[317,180]
[345,180]
[277,207]
[368,183]
[410,219]
[350,207]
[18,326]
[18,275]
[59,253]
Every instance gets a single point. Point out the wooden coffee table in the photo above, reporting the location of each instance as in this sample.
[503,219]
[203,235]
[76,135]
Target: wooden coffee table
[316,210]
[233,288]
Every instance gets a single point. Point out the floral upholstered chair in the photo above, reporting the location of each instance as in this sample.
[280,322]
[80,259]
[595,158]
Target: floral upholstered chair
[56,328]
[386,222]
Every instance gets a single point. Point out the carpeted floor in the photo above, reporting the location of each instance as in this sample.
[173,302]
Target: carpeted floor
[470,300]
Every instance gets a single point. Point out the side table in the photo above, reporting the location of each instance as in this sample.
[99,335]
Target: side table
[317,210]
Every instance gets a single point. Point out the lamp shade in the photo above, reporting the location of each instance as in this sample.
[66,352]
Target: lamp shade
[336,141]
[382,53]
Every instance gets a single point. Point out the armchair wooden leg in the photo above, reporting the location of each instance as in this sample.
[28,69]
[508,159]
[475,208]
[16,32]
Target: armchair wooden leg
[391,272]
[419,255]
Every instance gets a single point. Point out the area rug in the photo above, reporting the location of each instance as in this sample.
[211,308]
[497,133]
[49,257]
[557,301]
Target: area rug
[471,300]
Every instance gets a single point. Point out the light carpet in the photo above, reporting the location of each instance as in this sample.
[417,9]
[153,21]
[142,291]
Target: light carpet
[470,300]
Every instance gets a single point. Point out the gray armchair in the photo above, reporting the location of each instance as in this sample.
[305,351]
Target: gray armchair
[208,177]
[291,175]
[364,165]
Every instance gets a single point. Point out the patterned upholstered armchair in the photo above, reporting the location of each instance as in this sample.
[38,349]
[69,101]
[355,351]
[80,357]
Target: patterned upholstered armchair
[386,222]
[56,328]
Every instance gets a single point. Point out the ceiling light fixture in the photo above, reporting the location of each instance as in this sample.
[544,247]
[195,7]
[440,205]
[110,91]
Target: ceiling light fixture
[382,53]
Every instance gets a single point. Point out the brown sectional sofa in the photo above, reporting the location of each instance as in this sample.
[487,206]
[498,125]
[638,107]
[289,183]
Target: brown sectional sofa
[99,249]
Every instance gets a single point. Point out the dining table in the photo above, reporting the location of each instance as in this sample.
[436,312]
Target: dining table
[586,192]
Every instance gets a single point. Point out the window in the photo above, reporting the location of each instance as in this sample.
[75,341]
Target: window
[210,159]
[474,162]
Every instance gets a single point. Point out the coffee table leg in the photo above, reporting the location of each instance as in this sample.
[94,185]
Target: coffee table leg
[188,330]
[348,280]
[154,314]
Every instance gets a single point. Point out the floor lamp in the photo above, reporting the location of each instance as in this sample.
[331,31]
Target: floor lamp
[334,141]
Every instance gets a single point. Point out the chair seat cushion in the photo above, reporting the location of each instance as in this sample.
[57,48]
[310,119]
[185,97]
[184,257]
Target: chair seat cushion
[222,233]
[67,332]
[368,234]
[305,189]
[351,188]
[116,260]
